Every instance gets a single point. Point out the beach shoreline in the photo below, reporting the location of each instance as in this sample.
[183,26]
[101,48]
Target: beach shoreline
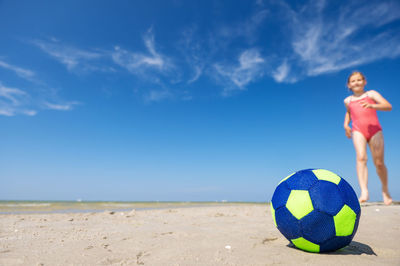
[235,234]
[48,207]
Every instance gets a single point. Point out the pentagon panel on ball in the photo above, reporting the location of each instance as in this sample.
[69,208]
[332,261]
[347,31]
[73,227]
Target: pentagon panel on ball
[316,210]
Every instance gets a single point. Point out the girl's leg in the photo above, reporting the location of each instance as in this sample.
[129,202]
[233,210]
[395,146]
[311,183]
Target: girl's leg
[376,144]
[360,145]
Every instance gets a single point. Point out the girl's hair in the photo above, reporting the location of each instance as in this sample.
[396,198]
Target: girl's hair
[355,73]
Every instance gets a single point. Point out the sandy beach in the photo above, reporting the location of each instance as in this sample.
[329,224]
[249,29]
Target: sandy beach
[231,234]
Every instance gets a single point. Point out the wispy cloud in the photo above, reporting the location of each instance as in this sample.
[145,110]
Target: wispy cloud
[22,72]
[105,61]
[194,52]
[202,51]
[138,62]
[71,57]
[150,67]
[157,95]
[13,95]
[354,36]
[198,70]
[30,99]
[319,37]
[14,101]
[247,28]
[281,73]
[60,107]
[248,69]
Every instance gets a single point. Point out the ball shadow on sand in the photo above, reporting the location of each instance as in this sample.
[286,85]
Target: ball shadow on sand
[354,248]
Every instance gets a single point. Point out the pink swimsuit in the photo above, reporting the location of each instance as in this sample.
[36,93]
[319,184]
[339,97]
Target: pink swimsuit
[364,120]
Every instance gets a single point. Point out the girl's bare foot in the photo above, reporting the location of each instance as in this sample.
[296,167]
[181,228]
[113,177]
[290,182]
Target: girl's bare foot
[386,198]
[364,197]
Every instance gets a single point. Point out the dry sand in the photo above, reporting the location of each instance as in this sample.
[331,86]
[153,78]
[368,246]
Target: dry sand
[240,234]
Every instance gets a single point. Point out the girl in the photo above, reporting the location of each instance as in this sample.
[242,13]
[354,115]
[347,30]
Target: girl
[361,109]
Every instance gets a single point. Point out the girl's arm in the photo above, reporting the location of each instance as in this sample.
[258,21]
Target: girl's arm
[381,103]
[346,125]
[347,120]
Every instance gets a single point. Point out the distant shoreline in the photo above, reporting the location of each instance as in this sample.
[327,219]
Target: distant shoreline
[47,207]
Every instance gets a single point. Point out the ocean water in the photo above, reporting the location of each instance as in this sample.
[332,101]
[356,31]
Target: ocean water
[14,207]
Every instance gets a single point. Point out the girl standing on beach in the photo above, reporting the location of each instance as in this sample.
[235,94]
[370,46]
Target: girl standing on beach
[361,110]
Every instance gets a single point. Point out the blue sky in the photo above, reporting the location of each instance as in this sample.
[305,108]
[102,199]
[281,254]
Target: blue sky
[187,100]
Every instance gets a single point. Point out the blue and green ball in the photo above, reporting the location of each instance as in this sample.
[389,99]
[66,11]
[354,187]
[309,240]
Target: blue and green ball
[316,210]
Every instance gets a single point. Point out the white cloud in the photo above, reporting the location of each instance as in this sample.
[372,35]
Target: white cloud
[194,52]
[157,95]
[29,112]
[137,62]
[318,37]
[6,111]
[13,101]
[60,107]
[201,52]
[250,68]
[70,56]
[250,59]
[22,72]
[13,95]
[246,28]
[198,70]
[281,72]
[355,36]
[151,67]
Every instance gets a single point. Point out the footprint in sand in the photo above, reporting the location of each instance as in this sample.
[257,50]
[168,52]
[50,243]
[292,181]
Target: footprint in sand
[269,239]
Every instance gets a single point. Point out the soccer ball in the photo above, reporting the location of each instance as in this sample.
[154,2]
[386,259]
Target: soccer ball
[316,210]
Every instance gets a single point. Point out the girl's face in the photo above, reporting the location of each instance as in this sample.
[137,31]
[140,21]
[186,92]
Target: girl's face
[356,83]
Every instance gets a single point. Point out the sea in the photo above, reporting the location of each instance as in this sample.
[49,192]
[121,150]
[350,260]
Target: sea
[19,207]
